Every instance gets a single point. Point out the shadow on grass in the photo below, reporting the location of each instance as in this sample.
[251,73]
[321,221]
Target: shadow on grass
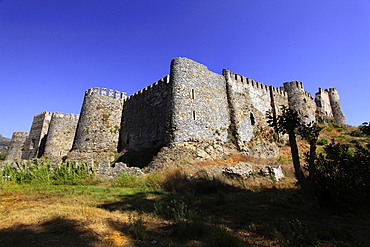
[56,232]
[278,216]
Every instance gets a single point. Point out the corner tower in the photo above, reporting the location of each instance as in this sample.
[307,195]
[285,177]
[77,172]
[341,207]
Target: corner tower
[300,100]
[335,106]
[16,146]
[60,135]
[35,143]
[99,123]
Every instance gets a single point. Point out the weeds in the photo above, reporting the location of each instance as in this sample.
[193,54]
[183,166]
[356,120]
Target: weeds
[137,226]
[221,237]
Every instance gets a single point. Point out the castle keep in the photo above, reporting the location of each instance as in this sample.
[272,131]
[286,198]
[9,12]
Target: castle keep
[190,105]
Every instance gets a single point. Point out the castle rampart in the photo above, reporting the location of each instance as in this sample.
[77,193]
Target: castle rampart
[146,116]
[99,123]
[16,146]
[35,142]
[192,105]
[60,135]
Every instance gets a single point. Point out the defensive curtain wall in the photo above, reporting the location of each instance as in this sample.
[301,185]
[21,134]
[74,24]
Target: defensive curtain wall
[146,117]
[190,105]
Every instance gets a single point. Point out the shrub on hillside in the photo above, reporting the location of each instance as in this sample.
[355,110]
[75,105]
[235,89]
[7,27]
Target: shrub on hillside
[342,176]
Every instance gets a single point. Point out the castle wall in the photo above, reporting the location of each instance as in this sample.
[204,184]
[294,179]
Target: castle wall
[99,123]
[60,135]
[145,117]
[249,100]
[199,104]
[323,104]
[335,106]
[16,146]
[279,97]
[300,100]
[35,142]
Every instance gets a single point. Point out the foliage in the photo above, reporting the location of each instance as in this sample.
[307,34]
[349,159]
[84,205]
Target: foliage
[322,141]
[343,176]
[365,129]
[221,237]
[2,156]
[137,226]
[40,171]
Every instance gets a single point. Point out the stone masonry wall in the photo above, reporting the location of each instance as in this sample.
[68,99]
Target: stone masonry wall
[99,123]
[16,146]
[200,109]
[250,100]
[323,104]
[335,106]
[61,134]
[145,117]
[300,100]
[35,143]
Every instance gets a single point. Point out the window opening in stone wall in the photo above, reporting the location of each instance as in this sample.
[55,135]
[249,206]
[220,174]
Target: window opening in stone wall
[253,120]
[192,94]
[193,115]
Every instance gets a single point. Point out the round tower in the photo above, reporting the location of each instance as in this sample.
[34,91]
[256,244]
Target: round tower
[335,106]
[99,123]
[61,134]
[300,100]
[16,146]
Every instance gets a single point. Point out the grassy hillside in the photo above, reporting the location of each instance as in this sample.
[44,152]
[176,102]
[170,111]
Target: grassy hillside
[184,206]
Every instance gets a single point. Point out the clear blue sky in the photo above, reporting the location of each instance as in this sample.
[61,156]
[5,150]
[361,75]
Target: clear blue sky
[51,51]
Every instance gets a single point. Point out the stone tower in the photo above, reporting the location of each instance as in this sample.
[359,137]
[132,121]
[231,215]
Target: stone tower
[300,100]
[60,135]
[16,146]
[323,104]
[99,123]
[335,106]
[35,143]
[199,108]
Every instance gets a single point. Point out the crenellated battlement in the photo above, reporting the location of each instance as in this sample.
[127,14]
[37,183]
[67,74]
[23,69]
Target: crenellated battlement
[279,90]
[153,86]
[248,81]
[20,134]
[67,115]
[293,84]
[105,92]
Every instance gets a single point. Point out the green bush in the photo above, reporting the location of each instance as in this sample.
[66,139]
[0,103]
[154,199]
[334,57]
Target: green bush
[343,176]
[137,227]
[323,141]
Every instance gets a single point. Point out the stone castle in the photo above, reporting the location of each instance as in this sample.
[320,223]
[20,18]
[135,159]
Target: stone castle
[190,105]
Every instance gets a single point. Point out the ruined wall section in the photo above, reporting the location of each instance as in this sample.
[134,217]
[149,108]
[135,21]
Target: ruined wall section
[200,109]
[99,123]
[16,146]
[323,104]
[300,100]
[249,100]
[335,106]
[279,97]
[60,135]
[146,117]
[35,143]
